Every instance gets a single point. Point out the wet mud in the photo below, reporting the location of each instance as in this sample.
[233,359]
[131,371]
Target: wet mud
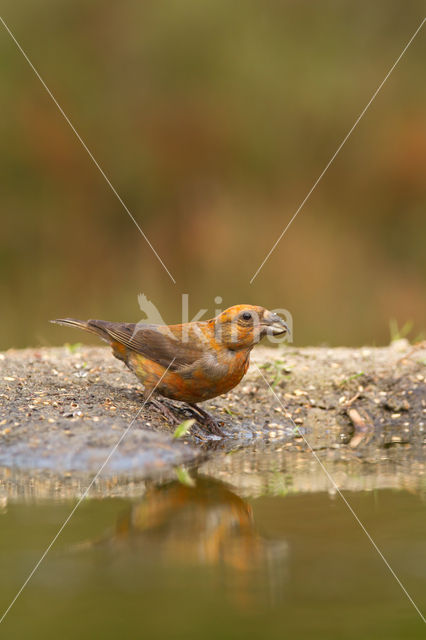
[362,412]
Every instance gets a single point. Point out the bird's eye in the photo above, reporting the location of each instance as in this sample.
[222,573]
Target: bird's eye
[246,315]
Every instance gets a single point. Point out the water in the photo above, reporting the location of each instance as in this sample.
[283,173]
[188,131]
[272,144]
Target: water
[194,559]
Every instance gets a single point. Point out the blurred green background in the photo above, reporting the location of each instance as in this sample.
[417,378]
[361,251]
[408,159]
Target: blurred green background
[213,119]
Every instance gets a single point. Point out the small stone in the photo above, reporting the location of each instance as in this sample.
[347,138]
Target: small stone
[400,345]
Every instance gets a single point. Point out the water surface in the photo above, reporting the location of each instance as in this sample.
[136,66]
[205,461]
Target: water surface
[192,558]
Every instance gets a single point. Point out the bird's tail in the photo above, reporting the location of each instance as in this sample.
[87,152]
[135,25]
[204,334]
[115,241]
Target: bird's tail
[88,325]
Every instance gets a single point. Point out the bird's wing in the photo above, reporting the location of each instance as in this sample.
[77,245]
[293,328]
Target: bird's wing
[161,344]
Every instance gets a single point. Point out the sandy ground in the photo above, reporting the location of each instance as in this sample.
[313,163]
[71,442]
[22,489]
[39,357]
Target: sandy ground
[361,410]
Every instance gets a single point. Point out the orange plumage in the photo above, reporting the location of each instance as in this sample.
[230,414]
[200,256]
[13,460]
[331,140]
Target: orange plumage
[188,362]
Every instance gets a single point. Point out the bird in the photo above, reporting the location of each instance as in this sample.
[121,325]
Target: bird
[190,362]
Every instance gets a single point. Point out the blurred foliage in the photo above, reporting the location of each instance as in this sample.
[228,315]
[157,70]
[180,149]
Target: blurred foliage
[183,428]
[213,119]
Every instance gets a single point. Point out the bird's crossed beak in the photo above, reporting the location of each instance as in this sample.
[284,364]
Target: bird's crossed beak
[274,324]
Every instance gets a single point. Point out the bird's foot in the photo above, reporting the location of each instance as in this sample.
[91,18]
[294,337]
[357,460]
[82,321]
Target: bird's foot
[205,419]
[165,411]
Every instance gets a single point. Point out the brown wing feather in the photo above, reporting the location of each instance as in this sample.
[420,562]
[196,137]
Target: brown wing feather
[160,344]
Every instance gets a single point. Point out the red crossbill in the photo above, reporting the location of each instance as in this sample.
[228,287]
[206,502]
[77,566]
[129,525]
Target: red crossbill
[188,362]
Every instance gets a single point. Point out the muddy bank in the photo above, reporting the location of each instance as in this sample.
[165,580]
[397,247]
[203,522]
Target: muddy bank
[363,411]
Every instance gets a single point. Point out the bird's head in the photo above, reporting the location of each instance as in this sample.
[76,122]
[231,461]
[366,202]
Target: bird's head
[244,325]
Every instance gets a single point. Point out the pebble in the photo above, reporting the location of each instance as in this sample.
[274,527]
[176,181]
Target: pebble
[279,427]
[400,345]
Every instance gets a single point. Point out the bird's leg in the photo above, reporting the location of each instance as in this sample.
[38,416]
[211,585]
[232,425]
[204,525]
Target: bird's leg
[208,420]
[165,411]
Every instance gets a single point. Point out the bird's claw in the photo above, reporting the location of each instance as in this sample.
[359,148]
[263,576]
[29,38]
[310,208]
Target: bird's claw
[206,420]
[165,411]
[203,418]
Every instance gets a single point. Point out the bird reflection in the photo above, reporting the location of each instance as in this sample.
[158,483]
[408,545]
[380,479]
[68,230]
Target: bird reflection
[204,524]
